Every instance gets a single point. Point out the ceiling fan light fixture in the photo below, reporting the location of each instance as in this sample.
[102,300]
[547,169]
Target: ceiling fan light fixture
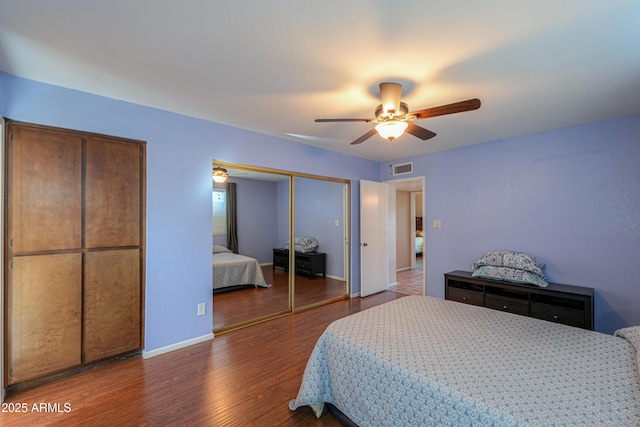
[381,114]
[393,116]
[220,175]
[391,129]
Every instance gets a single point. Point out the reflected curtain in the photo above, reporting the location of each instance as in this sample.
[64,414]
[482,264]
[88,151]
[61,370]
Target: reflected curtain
[232,224]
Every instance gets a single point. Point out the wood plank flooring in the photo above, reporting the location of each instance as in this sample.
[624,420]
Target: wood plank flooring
[242,378]
[241,305]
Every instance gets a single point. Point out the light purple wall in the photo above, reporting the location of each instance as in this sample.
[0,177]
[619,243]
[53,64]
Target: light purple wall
[284,190]
[257,209]
[571,197]
[179,154]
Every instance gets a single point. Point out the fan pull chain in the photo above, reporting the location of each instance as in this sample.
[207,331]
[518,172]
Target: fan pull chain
[390,153]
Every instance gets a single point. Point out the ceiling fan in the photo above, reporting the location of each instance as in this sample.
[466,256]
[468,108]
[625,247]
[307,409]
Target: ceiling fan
[393,116]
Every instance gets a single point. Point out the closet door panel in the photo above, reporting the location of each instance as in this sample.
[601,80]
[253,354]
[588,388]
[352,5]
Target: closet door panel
[74,249]
[113,182]
[111,303]
[45,187]
[44,315]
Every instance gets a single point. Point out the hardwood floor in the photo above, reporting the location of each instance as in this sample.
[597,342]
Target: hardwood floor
[244,304]
[242,378]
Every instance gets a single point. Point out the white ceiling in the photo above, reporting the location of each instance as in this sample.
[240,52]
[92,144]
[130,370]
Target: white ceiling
[273,67]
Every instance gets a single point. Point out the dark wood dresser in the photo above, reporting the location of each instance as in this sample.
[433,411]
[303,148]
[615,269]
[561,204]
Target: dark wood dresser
[309,263]
[566,304]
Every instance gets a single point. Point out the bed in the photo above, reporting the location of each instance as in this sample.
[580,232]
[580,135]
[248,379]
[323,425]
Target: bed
[421,361]
[419,237]
[418,244]
[233,271]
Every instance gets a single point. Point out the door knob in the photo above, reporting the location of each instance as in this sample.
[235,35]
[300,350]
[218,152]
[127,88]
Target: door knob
[364,244]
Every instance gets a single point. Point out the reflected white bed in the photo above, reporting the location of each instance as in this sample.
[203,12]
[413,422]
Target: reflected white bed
[233,271]
[419,237]
[419,245]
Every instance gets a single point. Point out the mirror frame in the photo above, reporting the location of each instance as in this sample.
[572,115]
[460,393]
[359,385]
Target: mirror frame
[347,255]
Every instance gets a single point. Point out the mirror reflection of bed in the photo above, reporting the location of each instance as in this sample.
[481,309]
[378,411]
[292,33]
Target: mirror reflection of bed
[262,218]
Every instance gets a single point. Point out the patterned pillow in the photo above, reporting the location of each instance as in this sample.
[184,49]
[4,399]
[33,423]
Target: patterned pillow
[510,274]
[517,260]
[304,244]
[217,249]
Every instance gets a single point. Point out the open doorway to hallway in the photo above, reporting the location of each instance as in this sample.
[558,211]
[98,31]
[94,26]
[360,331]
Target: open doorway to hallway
[407,243]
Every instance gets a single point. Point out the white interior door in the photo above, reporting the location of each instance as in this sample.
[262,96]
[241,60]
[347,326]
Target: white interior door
[374,232]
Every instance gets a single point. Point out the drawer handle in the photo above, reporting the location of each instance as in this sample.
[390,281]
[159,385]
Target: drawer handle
[464,298]
[505,306]
[555,317]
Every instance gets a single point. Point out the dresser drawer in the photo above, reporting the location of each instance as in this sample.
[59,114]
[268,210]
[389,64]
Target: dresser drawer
[510,305]
[570,305]
[466,296]
[280,258]
[558,314]
[281,262]
[303,265]
[307,263]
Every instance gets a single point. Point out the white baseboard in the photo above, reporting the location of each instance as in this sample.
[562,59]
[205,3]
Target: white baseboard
[176,346]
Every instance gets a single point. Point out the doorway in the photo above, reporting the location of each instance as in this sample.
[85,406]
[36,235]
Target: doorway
[407,207]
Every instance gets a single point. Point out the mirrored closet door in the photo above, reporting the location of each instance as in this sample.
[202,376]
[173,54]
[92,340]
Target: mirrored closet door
[321,252]
[255,275]
[246,287]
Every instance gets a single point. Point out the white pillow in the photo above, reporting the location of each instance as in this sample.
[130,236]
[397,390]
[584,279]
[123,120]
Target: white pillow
[217,249]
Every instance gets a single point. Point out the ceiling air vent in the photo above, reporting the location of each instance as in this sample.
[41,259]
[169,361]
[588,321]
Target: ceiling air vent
[403,168]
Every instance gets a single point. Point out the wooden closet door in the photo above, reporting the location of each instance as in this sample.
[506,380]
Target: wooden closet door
[45,190]
[44,315]
[75,243]
[111,303]
[113,182]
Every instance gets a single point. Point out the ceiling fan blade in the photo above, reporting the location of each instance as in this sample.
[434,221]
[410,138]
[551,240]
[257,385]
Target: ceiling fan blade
[390,94]
[420,132]
[343,120]
[456,107]
[364,137]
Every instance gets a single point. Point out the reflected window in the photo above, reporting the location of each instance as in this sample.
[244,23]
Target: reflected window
[219,212]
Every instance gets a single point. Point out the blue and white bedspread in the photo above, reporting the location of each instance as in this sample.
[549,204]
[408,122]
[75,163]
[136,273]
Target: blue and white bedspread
[230,269]
[422,361]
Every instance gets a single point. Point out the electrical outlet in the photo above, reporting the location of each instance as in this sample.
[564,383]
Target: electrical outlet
[202,307]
